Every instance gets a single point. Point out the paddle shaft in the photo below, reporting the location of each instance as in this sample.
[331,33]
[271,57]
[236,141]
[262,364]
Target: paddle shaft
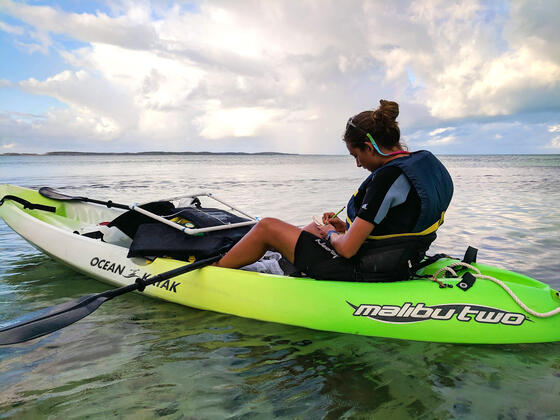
[105,203]
[141,284]
[58,196]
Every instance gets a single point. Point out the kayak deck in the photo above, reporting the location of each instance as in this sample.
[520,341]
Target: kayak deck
[415,309]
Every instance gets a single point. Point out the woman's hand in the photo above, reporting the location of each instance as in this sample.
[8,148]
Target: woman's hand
[324,230]
[337,224]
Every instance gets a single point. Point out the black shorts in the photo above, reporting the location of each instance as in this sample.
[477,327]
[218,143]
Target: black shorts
[316,258]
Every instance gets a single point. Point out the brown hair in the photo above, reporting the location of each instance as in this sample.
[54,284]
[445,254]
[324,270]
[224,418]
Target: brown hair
[380,123]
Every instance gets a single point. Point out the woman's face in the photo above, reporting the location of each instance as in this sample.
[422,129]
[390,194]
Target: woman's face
[366,158]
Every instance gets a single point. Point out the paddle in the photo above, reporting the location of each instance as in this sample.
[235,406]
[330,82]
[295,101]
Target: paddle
[48,320]
[57,195]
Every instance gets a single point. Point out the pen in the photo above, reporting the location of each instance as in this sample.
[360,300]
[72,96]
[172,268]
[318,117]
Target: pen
[338,212]
[319,222]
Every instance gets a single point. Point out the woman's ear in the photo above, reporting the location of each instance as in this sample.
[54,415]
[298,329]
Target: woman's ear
[369,146]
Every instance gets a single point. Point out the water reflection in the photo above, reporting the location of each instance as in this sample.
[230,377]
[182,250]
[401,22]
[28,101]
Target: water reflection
[137,357]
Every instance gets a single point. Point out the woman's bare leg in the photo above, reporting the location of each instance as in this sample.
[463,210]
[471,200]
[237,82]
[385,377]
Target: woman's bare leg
[268,234]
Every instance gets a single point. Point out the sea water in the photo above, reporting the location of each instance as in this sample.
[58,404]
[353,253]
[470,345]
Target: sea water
[137,357]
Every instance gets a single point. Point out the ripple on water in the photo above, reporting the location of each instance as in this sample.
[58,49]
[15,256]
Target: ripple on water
[140,358]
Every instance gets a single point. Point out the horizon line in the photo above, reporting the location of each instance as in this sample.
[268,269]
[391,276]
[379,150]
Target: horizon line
[186,153]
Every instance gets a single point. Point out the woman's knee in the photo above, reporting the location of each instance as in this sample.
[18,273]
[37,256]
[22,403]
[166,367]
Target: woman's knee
[275,232]
[278,235]
[269,225]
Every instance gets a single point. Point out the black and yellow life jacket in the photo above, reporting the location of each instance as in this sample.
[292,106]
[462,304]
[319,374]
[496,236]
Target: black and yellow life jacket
[392,255]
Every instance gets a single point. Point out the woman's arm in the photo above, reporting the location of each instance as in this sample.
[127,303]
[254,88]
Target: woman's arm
[347,244]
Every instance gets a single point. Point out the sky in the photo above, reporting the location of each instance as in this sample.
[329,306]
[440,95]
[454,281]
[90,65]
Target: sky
[470,77]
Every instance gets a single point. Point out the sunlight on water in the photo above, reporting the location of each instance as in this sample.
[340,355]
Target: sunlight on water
[141,358]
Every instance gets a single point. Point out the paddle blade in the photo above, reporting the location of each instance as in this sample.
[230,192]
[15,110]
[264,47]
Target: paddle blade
[48,320]
[55,195]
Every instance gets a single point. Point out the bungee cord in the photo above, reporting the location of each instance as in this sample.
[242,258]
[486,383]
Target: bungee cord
[479,275]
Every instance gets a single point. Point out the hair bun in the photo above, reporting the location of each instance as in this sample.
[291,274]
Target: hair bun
[380,123]
[389,110]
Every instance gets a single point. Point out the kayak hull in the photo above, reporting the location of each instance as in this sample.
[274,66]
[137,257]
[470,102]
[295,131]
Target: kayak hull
[414,310]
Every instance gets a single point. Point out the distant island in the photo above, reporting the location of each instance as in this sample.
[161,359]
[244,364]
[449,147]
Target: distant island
[63,153]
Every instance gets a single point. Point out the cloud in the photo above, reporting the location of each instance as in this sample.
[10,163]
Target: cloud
[237,122]
[438,141]
[132,31]
[469,67]
[94,104]
[40,42]
[534,26]
[438,131]
[554,143]
[16,30]
[286,75]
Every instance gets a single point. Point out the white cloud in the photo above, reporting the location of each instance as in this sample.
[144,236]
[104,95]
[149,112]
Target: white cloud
[8,146]
[438,131]
[554,143]
[122,30]
[534,25]
[516,80]
[467,66]
[438,141]
[41,42]
[96,108]
[237,122]
[16,30]
[286,74]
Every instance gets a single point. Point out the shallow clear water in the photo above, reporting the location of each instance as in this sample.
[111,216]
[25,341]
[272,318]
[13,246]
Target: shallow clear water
[140,358]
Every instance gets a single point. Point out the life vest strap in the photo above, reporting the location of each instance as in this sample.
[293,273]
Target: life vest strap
[425,232]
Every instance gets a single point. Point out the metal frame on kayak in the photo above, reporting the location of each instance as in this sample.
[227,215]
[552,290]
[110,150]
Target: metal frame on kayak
[53,194]
[194,231]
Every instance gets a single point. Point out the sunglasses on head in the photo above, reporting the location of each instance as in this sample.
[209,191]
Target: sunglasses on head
[352,124]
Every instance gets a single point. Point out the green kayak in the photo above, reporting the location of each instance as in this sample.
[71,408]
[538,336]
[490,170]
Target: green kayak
[483,304]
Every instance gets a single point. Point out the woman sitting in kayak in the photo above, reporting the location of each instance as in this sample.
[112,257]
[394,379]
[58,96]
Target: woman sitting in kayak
[392,217]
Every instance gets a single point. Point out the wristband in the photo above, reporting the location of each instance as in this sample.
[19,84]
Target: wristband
[329,233]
